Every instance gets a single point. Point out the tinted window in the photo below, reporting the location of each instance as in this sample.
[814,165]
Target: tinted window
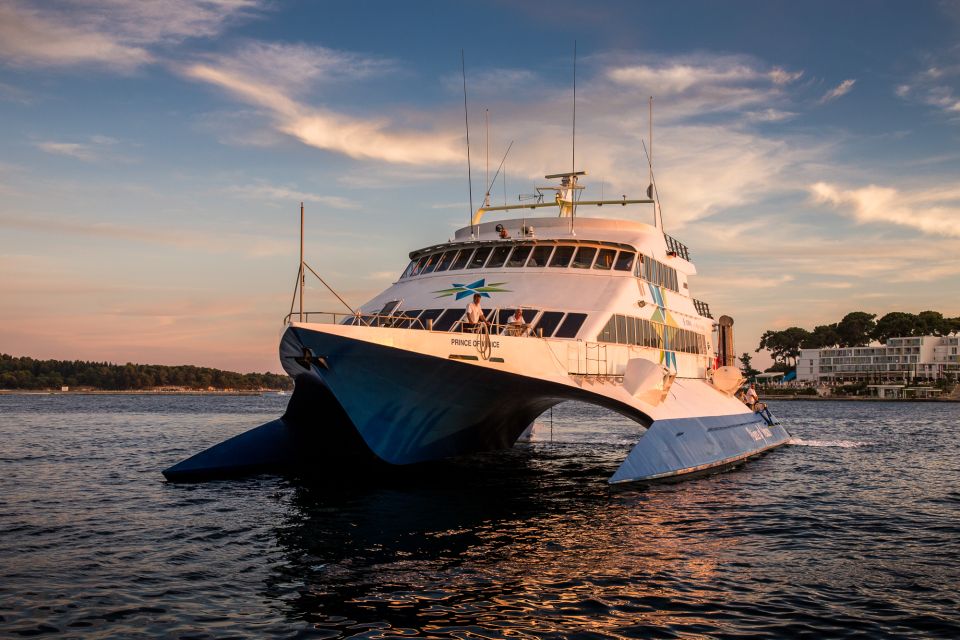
[571,325]
[622,329]
[624,261]
[409,269]
[462,258]
[519,256]
[406,324]
[561,257]
[540,255]
[605,259]
[479,257]
[499,257]
[429,314]
[431,263]
[445,260]
[445,321]
[548,322]
[584,257]
[417,269]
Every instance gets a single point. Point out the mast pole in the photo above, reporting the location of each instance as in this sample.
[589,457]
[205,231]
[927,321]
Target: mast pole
[303,276]
[573,145]
[466,122]
[650,156]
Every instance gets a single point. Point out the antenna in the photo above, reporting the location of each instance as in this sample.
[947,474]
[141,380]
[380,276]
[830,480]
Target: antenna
[650,160]
[486,117]
[573,142]
[303,276]
[653,188]
[466,122]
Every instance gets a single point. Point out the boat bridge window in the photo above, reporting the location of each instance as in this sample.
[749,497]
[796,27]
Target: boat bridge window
[446,320]
[462,259]
[445,260]
[584,257]
[431,264]
[548,323]
[540,256]
[624,261]
[642,332]
[605,259]
[519,256]
[561,257]
[499,257]
[479,257]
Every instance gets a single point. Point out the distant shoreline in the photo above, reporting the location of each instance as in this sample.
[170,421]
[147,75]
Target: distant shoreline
[857,399]
[138,392]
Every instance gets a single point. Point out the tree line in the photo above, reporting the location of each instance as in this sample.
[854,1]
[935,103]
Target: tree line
[856,329]
[30,374]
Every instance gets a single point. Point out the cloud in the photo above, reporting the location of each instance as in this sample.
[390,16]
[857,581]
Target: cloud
[263,191]
[246,77]
[110,33]
[935,87]
[934,212]
[838,91]
[90,151]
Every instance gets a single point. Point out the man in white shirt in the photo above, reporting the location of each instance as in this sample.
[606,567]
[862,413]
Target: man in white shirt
[474,314]
[751,397]
[518,326]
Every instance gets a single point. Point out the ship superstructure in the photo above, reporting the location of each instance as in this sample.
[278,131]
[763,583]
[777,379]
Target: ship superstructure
[606,317]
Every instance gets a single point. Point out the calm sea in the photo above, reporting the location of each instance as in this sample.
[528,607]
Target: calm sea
[854,530]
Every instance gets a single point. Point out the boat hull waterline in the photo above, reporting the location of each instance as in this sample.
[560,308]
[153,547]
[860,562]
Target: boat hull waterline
[370,394]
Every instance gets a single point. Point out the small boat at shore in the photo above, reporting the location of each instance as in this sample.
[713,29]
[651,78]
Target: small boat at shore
[589,309]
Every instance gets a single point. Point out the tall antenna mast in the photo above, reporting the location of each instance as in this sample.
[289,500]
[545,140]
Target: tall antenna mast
[650,160]
[303,276]
[466,122]
[486,118]
[573,143]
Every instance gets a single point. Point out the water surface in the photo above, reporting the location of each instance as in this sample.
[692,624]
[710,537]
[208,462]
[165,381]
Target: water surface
[854,530]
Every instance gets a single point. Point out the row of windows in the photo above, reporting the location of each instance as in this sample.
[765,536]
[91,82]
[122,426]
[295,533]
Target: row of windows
[544,255]
[556,324]
[642,332]
[521,255]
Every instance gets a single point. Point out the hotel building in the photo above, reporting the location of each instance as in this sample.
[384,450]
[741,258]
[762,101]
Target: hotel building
[900,360]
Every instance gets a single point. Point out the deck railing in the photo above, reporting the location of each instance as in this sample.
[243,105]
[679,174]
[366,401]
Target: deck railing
[408,322]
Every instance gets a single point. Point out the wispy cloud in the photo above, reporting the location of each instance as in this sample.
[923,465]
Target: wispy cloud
[264,191]
[935,86]
[934,212]
[838,91]
[246,76]
[94,148]
[109,33]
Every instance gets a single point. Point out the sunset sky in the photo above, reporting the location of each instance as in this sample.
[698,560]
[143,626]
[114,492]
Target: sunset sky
[155,154]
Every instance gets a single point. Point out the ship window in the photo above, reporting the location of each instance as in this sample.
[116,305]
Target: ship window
[417,269]
[548,322]
[499,257]
[445,321]
[431,263]
[409,270]
[605,259]
[571,325]
[631,331]
[426,316]
[462,259]
[479,257]
[561,257]
[624,261]
[519,256]
[504,315]
[584,257]
[621,329]
[540,255]
[445,260]
[608,332]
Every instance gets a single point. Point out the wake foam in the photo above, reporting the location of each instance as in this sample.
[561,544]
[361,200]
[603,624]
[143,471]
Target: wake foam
[843,444]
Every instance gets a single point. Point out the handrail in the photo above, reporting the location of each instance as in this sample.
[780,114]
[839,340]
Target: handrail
[392,321]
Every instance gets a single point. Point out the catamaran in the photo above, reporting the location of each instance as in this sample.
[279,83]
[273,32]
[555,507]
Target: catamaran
[605,317]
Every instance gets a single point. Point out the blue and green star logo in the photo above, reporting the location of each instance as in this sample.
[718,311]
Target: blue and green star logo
[467,290]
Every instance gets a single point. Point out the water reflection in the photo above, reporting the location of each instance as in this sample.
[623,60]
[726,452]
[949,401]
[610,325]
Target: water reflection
[533,542]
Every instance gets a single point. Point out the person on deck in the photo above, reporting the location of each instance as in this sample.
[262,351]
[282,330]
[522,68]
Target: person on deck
[517,325]
[474,315]
[751,397]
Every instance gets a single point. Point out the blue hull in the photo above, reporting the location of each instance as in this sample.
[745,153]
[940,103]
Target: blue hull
[362,401]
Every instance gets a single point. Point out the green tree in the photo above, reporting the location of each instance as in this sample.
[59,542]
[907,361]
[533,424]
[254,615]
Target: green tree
[746,366]
[932,323]
[823,336]
[855,329]
[894,324]
[784,345]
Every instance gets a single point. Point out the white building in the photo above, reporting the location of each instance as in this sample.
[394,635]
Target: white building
[900,360]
